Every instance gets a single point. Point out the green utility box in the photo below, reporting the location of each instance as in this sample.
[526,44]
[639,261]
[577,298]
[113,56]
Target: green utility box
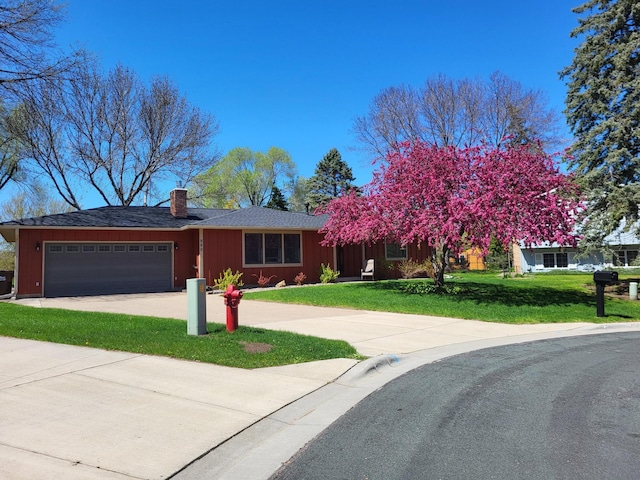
[196,306]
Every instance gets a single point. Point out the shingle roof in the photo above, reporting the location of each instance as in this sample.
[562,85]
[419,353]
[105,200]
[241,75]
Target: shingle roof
[160,217]
[260,217]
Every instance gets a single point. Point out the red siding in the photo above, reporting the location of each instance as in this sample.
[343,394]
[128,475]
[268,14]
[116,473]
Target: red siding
[29,263]
[223,249]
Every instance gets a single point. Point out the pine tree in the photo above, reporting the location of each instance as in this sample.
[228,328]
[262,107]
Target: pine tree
[603,111]
[277,200]
[332,178]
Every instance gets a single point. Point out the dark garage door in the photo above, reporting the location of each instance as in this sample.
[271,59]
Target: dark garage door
[74,269]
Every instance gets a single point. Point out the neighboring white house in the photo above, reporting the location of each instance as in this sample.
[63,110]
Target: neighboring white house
[623,248]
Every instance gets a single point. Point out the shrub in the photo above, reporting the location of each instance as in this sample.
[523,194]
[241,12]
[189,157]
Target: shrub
[327,275]
[411,269]
[299,278]
[262,280]
[227,278]
[425,288]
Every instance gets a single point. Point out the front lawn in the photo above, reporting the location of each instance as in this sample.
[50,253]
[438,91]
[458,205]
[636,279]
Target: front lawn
[541,298]
[247,347]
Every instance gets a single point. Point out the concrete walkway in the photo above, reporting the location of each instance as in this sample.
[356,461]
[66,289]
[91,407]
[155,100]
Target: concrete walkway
[80,413]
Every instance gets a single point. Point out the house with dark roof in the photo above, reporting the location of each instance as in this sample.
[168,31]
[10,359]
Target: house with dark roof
[151,249]
[117,249]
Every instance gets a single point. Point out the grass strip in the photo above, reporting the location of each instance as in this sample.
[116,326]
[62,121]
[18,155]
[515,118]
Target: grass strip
[486,297]
[247,347]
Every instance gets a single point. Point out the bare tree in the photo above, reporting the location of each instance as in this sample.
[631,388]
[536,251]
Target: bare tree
[448,112]
[39,126]
[512,113]
[115,134]
[27,54]
[451,110]
[9,149]
[394,116]
[27,50]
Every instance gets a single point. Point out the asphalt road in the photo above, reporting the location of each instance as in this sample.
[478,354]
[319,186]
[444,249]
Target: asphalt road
[555,409]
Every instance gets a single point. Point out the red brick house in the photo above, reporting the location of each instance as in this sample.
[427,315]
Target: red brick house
[111,250]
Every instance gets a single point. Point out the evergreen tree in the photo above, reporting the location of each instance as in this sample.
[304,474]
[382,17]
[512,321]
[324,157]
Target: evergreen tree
[277,200]
[603,111]
[332,178]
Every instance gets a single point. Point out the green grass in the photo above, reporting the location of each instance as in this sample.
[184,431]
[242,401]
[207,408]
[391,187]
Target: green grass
[543,298]
[166,337]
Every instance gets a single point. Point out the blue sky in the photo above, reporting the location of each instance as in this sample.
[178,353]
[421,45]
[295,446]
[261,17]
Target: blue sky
[294,74]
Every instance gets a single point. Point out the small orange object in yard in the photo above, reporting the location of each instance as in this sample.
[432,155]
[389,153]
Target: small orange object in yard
[232,298]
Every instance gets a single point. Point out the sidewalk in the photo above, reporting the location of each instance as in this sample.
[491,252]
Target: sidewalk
[79,413]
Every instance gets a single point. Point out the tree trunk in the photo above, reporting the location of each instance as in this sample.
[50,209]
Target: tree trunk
[439,260]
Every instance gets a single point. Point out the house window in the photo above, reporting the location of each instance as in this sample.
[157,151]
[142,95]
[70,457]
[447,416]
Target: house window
[555,260]
[272,248]
[88,249]
[253,249]
[104,248]
[55,248]
[394,251]
[120,248]
[624,258]
[292,248]
[148,248]
[562,260]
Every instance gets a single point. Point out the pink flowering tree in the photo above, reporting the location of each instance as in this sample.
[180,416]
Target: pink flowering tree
[449,199]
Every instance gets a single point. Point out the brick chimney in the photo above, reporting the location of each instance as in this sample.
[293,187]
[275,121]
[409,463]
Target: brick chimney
[178,198]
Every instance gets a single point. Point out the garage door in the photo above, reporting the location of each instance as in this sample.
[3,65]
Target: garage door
[74,269]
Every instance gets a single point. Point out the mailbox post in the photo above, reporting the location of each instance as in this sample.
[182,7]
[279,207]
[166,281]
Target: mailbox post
[602,278]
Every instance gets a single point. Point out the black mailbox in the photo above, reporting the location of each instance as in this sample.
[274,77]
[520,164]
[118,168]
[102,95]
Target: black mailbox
[605,276]
[601,278]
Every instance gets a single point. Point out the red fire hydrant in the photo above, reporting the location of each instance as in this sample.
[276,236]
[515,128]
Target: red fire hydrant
[232,298]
